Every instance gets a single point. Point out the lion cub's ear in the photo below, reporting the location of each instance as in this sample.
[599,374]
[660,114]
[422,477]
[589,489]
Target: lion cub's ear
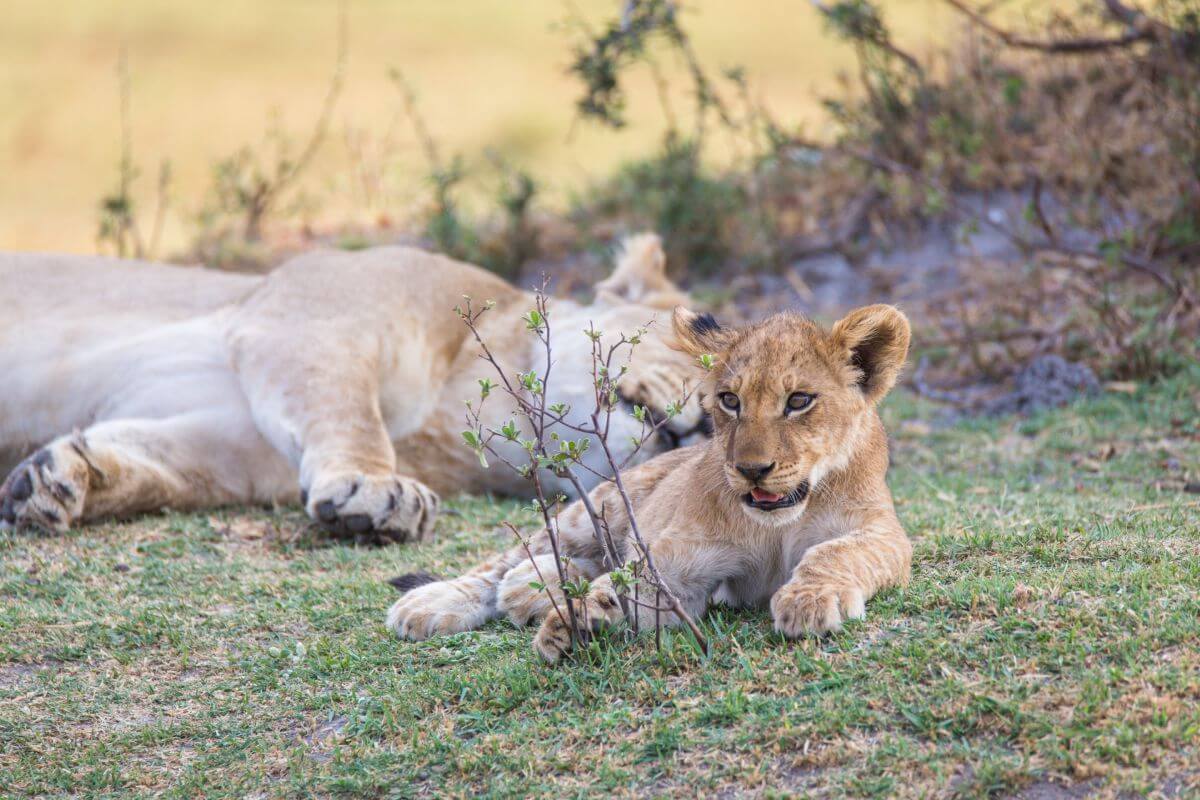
[698,334]
[874,341]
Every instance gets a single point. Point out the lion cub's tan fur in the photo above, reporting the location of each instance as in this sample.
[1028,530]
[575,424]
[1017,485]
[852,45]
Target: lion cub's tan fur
[817,562]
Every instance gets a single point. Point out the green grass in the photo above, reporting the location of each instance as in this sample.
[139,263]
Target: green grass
[1051,633]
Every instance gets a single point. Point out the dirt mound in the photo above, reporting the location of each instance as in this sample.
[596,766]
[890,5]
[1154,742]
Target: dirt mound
[1045,382]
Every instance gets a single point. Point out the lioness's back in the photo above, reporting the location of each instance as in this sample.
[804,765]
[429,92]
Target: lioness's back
[75,287]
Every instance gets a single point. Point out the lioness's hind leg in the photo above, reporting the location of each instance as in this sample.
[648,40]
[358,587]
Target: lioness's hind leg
[124,467]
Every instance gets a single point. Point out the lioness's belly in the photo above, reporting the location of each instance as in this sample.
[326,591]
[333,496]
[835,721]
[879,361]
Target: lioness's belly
[86,338]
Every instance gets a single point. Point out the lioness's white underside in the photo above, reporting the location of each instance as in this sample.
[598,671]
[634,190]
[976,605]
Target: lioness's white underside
[342,374]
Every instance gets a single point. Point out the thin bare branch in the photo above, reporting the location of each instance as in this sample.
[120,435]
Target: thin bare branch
[1080,45]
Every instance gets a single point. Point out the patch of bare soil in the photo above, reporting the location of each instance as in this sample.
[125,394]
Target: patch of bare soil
[16,677]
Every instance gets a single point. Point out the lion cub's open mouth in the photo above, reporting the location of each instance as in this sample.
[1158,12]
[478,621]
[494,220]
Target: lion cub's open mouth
[768,501]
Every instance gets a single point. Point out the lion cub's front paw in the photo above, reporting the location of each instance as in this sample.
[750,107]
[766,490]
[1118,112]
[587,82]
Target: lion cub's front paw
[372,508]
[815,608]
[438,609]
[553,639]
[599,609]
[47,490]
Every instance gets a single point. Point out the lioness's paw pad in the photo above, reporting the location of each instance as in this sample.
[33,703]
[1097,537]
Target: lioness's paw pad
[373,509]
[815,609]
[47,490]
[436,609]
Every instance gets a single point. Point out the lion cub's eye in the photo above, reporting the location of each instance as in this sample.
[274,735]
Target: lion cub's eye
[799,401]
[729,401]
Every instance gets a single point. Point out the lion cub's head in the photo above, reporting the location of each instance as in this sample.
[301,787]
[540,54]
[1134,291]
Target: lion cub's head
[789,401]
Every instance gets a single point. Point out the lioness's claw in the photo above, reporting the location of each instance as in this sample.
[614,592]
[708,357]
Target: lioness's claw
[47,490]
[373,508]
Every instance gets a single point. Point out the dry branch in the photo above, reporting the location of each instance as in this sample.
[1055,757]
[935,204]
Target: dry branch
[1079,45]
[530,398]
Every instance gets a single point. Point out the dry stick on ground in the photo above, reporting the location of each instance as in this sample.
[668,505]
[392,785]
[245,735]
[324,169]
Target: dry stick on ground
[530,398]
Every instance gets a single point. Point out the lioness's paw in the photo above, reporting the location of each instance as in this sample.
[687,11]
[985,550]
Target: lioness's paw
[437,609]
[47,490]
[815,608]
[375,509]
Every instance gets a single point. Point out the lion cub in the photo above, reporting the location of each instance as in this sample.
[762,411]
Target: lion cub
[786,503]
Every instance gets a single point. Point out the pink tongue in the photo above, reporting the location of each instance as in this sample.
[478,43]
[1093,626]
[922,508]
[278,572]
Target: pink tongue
[764,497]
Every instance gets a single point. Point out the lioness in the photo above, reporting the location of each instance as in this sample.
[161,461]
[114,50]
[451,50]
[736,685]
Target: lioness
[786,502]
[338,379]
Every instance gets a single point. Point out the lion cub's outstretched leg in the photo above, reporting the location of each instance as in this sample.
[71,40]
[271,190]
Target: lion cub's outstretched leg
[503,586]
[835,579]
[125,467]
[432,607]
[690,566]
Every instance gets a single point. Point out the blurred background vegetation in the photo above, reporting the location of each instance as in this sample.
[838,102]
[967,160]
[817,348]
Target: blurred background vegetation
[207,78]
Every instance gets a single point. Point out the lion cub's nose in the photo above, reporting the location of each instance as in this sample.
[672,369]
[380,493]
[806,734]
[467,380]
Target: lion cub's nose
[755,472]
